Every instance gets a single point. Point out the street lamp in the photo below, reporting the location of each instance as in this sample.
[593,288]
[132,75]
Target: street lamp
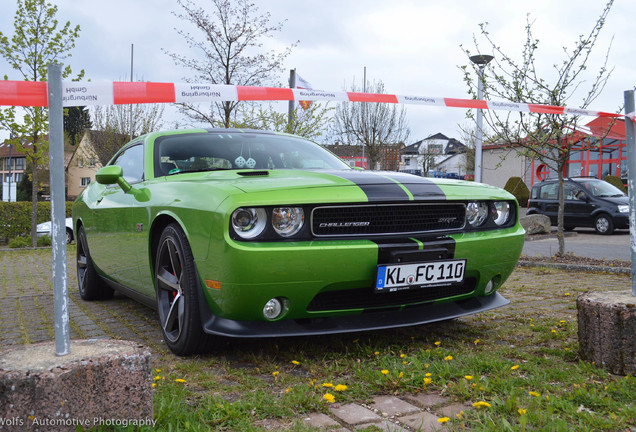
[481,61]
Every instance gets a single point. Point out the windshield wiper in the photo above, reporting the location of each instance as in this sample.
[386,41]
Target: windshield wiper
[179,171]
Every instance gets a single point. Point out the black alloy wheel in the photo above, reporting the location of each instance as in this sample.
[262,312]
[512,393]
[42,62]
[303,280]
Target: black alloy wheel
[177,293]
[91,285]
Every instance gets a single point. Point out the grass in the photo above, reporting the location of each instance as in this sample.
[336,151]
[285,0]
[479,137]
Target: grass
[519,364]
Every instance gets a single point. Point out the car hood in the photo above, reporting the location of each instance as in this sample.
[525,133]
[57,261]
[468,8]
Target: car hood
[376,185]
[621,200]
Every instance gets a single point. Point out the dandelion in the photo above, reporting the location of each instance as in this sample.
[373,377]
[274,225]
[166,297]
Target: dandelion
[427,381]
[157,378]
[377,353]
[275,374]
[567,294]
[562,321]
[158,370]
[443,420]
[180,380]
[476,341]
[522,411]
[402,355]
[460,415]
[534,393]
[327,384]
[287,390]
[401,375]
[340,387]
[425,365]
[385,371]
[405,362]
[329,397]
[154,384]
[448,358]
[468,377]
[428,374]
[554,331]
[295,362]
[481,404]
[515,367]
[438,343]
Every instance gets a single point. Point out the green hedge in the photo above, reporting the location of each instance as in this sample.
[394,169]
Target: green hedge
[616,181]
[15,217]
[518,188]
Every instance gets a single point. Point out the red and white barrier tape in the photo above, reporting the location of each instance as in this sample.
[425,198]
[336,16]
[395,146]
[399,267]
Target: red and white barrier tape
[28,93]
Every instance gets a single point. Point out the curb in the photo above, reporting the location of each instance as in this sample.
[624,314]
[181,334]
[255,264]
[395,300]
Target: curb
[576,267]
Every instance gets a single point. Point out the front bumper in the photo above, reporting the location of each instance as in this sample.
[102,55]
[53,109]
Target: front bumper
[323,280]
[423,314]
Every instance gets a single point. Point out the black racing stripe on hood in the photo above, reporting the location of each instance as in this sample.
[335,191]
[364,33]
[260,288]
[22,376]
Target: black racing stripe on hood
[420,187]
[377,187]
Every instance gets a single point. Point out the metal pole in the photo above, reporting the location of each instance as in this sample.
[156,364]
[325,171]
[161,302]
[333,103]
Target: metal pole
[132,47]
[480,121]
[10,165]
[58,211]
[631,172]
[292,84]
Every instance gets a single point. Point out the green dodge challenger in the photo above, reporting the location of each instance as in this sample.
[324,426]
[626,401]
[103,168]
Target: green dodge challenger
[247,233]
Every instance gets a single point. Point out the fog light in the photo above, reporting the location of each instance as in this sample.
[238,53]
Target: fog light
[492,285]
[273,309]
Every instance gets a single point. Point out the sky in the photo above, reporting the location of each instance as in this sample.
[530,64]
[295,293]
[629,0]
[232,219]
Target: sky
[412,46]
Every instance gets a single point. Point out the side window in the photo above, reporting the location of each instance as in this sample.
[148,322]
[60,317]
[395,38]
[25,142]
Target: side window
[131,162]
[549,191]
[572,192]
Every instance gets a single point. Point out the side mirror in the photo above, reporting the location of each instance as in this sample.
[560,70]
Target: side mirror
[112,174]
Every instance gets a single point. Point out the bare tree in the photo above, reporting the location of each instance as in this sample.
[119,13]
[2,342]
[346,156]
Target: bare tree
[373,125]
[545,137]
[114,127]
[230,51]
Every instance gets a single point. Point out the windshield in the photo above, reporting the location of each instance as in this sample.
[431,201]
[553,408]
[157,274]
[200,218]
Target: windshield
[601,188]
[239,150]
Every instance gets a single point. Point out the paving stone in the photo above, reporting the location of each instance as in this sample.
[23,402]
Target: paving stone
[453,409]
[384,426]
[354,414]
[320,420]
[422,421]
[392,406]
[427,400]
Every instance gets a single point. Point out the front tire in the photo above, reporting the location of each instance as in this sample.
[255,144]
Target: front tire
[177,288]
[91,286]
[603,224]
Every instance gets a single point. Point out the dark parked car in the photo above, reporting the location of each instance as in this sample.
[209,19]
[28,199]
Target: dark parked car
[589,202]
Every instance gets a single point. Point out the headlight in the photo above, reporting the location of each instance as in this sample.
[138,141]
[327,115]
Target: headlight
[249,222]
[623,209]
[501,212]
[476,213]
[287,221]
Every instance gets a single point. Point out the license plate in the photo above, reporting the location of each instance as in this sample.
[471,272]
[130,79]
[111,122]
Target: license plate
[397,277]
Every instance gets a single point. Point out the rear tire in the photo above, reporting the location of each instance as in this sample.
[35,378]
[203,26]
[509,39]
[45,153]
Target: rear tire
[603,224]
[177,287]
[69,236]
[91,286]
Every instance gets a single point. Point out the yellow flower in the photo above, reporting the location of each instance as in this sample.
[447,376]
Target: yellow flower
[327,384]
[154,384]
[481,404]
[425,365]
[476,341]
[384,371]
[402,355]
[553,331]
[427,381]
[438,343]
[377,353]
[340,387]
[179,380]
[329,397]
[157,378]
[534,393]
[567,294]
[562,321]
[468,377]
[275,374]
[460,415]
[448,358]
[158,370]
[522,411]
[443,420]
[405,362]
[401,375]
[428,374]
[515,367]
[287,390]
[296,362]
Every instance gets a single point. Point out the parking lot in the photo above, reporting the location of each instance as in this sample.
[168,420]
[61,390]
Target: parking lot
[26,300]
[583,242]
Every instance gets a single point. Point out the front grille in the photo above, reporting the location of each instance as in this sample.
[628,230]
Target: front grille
[367,298]
[386,219]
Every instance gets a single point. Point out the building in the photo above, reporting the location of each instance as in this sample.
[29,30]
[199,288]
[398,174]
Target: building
[588,156]
[12,168]
[355,156]
[435,156]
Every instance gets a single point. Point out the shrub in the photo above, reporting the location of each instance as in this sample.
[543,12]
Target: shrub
[518,188]
[20,242]
[45,240]
[15,217]
[616,181]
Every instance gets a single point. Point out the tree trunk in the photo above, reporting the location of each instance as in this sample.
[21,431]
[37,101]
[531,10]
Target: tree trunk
[34,208]
[560,237]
